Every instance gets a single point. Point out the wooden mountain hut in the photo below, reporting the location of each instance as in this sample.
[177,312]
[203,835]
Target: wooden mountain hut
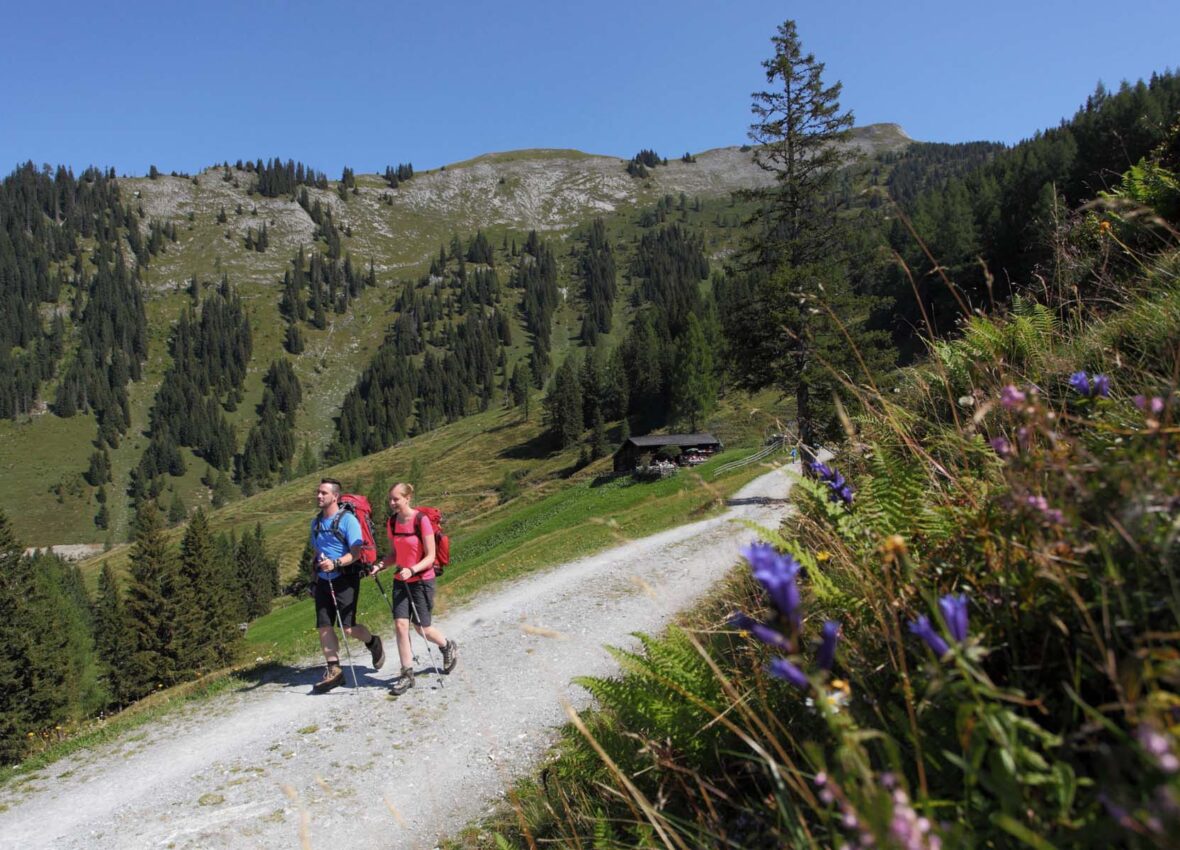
[688,446]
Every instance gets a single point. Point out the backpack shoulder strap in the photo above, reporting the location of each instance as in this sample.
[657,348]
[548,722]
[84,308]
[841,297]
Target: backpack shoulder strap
[417,532]
[336,532]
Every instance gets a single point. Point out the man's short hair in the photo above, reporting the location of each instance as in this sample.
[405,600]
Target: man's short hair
[334,484]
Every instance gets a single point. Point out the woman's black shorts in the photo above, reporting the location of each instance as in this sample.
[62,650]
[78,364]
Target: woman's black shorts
[422,592]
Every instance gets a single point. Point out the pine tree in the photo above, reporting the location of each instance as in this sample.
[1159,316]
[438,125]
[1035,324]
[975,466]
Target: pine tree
[598,440]
[150,607]
[176,510]
[258,573]
[694,379]
[781,314]
[563,405]
[112,637]
[206,625]
[17,716]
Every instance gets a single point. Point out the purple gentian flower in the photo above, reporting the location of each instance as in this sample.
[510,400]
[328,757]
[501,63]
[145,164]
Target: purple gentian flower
[1011,397]
[1080,383]
[954,612]
[822,470]
[776,572]
[783,669]
[839,489]
[763,632]
[1101,386]
[922,628]
[1001,447]
[826,656]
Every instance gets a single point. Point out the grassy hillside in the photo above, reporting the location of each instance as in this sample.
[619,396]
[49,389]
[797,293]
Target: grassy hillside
[399,230]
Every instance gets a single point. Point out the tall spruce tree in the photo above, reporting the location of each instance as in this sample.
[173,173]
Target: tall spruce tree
[150,605]
[202,613]
[17,717]
[563,405]
[781,313]
[112,637]
[258,573]
[694,378]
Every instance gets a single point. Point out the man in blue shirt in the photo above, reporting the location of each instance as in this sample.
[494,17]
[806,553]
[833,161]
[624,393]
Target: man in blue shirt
[336,539]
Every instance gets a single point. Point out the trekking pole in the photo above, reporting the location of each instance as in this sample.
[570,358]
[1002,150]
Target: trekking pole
[429,651]
[343,636]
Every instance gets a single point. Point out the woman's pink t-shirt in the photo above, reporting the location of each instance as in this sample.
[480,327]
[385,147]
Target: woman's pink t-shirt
[407,545]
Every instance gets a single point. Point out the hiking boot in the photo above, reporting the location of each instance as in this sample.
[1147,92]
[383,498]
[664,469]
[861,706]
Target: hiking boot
[377,651]
[333,677]
[403,682]
[450,654]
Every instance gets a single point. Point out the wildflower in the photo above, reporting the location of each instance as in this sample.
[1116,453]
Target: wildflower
[910,831]
[840,489]
[1011,397]
[763,632]
[821,470]
[923,629]
[776,572]
[783,669]
[1052,516]
[826,656]
[1158,747]
[823,555]
[1153,405]
[1090,387]
[895,546]
[954,612]
[1001,447]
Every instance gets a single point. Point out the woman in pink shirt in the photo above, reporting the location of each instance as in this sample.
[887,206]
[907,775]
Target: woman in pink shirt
[411,543]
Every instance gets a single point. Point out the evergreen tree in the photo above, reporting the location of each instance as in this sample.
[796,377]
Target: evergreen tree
[520,387]
[563,405]
[694,380]
[207,625]
[294,340]
[599,447]
[17,677]
[782,313]
[644,356]
[99,471]
[176,510]
[258,573]
[150,606]
[112,637]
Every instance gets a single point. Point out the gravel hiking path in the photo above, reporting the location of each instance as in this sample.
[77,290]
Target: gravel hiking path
[273,766]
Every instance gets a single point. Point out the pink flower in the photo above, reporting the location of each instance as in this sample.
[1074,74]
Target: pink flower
[1011,397]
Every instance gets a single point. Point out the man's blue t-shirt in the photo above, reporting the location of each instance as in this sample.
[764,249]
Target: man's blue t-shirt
[328,544]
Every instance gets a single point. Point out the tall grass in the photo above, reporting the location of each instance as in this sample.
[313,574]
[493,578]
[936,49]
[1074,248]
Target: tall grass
[975,645]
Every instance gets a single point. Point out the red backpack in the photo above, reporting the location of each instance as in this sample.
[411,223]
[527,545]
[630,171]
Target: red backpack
[358,506]
[442,543]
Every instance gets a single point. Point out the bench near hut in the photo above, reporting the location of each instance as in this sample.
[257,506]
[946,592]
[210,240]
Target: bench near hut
[674,449]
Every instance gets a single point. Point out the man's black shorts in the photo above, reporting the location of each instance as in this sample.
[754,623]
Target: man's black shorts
[347,589]
[423,596]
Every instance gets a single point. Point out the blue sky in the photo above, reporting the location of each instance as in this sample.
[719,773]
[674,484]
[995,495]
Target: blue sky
[368,84]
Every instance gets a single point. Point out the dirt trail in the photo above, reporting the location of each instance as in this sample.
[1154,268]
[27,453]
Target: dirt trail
[355,769]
